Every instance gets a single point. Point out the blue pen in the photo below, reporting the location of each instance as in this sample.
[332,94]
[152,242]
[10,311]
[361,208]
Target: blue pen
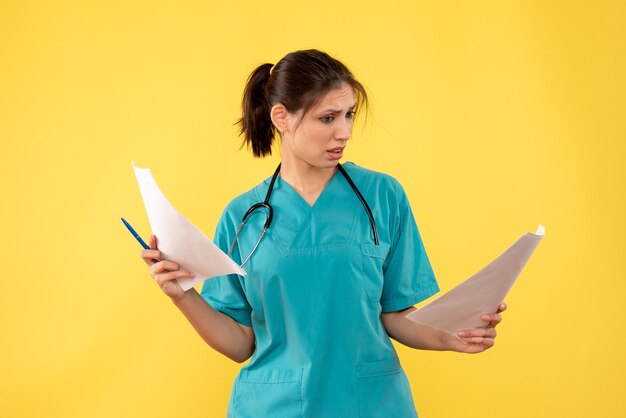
[136,235]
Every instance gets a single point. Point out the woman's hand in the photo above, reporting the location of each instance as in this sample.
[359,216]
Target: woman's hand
[220,331]
[479,339]
[164,272]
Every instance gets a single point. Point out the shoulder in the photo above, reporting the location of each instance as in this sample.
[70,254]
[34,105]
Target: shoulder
[374,181]
[238,206]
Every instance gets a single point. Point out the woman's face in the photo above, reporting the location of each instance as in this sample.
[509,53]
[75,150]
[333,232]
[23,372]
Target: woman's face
[322,134]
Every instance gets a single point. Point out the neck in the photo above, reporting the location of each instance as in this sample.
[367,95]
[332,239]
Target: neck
[304,177]
[307,180]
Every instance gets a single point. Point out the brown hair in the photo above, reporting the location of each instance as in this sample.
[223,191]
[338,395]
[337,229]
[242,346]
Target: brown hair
[297,81]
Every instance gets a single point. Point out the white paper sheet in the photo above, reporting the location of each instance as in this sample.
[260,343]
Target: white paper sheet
[461,307]
[179,240]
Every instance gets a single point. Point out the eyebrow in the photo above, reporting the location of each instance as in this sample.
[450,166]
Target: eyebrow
[338,110]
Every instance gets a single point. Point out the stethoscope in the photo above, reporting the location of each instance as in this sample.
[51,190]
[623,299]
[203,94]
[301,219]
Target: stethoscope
[270,212]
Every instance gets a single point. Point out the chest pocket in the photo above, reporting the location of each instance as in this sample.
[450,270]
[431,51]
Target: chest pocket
[373,258]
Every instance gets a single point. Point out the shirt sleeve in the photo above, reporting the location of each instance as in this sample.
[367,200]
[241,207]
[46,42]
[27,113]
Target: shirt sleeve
[226,293]
[409,277]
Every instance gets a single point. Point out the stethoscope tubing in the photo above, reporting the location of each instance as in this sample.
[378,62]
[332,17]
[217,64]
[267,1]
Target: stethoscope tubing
[368,211]
[270,212]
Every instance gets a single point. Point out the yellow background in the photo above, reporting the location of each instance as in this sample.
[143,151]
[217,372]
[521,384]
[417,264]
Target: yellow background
[495,116]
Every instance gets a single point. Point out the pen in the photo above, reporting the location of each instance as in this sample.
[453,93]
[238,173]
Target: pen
[136,235]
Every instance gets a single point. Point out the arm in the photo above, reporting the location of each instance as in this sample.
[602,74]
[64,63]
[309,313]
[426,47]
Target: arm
[422,337]
[220,331]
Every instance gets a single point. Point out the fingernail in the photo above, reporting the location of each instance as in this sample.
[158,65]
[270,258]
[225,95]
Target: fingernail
[463,333]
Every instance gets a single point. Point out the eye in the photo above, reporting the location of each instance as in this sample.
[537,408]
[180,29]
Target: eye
[327,118]
[350,115]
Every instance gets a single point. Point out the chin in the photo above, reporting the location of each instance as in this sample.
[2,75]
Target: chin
[323,163]
[329,164]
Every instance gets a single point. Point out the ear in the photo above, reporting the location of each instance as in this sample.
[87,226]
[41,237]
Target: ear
[278,114]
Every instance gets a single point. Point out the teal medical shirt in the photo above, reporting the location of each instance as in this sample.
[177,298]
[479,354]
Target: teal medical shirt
[316,287]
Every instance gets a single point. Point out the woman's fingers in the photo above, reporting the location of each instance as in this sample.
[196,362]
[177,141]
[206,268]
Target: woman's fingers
[153,242]
[477,340]
[493,319]
[162,266]
[172,275]
[150,255]
[474,343]
[484,342]
[478,333]
[166,270]
[153,253]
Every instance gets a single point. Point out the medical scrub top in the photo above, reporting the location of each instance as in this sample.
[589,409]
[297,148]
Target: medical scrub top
[314,293]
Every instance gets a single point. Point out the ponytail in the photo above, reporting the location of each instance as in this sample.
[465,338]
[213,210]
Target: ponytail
[256,123]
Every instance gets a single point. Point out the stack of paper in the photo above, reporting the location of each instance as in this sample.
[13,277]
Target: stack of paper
[179,240]
[462,306]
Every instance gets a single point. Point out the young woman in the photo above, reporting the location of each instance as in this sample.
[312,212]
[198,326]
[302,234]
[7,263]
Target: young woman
[334,260]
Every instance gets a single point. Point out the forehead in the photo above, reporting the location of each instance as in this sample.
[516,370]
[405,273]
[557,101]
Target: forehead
[337,99]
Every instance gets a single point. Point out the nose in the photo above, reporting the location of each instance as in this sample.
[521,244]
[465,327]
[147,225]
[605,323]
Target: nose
[344,130]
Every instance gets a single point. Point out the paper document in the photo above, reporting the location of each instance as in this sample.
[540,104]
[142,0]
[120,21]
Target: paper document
[179,240]
[461,307]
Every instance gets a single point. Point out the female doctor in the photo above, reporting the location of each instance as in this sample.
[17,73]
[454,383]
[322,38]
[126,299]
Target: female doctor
[334,259]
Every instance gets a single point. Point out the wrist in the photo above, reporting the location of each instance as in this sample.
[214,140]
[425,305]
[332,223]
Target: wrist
[449,342]
[182,298]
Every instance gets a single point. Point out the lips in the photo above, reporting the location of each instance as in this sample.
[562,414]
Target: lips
[335,153]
